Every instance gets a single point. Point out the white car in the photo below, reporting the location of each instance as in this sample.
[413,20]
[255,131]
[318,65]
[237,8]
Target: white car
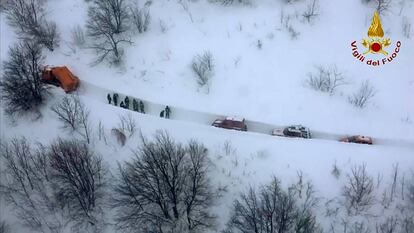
[296,131]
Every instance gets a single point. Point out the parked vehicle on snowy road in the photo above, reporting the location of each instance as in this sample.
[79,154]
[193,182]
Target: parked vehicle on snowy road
[295,131]
[235,123]
[357,139]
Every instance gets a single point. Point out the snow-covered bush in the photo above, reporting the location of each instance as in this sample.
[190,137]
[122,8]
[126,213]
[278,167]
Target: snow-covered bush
[326,79]
[28,18]
[165,186]
[363,96]
[140,18]
[106,25]
[79,180]
[74,115]
[22,90]
[359,191]
[272,209]
[203,67]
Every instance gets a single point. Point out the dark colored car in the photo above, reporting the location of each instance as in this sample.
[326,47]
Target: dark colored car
[231,123]
[296,131]
[357,139]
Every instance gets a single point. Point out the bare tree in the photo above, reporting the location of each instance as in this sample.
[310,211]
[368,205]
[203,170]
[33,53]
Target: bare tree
[26,186]
[107,24]
[362,97]
[21,87]
[28,17]
[203,67]
[359,190]
[4,227]
[326,79]
[140,18]
[165,188]
[79,178]
[74,115]
[273,210]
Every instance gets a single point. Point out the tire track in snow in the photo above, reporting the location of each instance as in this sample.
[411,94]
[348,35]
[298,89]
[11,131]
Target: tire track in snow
[177,113]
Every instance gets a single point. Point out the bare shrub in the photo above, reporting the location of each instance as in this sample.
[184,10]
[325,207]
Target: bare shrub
[79,177]
[389,226]
[106,25]
[127,124]
[312,11]
[140,18]
[383,6]
[336,172]
[326,79]
[410,191]
[407,225]
[26,186]
[363,96]
[233,2]
[359,190]
[74,115]
[78,36]
[358,227]
[406,27]
[120,136]
[203,67]
[21,85]
[28,18]
[271,209]
[165,188]
[286,24]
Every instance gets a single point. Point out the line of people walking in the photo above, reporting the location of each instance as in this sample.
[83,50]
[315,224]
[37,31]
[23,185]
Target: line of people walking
[137,106]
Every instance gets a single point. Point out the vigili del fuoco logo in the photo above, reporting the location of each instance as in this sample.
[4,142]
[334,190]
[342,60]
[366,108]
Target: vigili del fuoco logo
[376,44]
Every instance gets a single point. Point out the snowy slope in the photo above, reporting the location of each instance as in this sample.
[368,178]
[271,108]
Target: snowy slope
[263,85]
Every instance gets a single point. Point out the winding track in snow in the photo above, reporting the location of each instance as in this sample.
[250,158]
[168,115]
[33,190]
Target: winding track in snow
[177,113]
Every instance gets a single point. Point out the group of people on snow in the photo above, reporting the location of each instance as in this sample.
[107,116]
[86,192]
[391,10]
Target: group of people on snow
[137,106]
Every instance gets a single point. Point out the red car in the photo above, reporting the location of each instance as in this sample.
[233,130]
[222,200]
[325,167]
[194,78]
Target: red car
[357,139]
[231,123]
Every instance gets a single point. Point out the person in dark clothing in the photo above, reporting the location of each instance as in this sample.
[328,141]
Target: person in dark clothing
[135,105]
[109,98]
[126,101]
[167,112]
[115,98]
[162,114]
[122,105]
[141,107]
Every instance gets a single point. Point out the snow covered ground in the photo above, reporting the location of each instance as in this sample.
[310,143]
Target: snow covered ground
[265,85]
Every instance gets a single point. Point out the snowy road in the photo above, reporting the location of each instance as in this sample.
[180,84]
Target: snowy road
[99,93]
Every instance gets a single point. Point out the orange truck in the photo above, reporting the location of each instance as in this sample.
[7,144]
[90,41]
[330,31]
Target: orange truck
[60,76]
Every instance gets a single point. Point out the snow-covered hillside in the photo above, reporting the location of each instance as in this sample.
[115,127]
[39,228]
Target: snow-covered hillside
[263,54]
